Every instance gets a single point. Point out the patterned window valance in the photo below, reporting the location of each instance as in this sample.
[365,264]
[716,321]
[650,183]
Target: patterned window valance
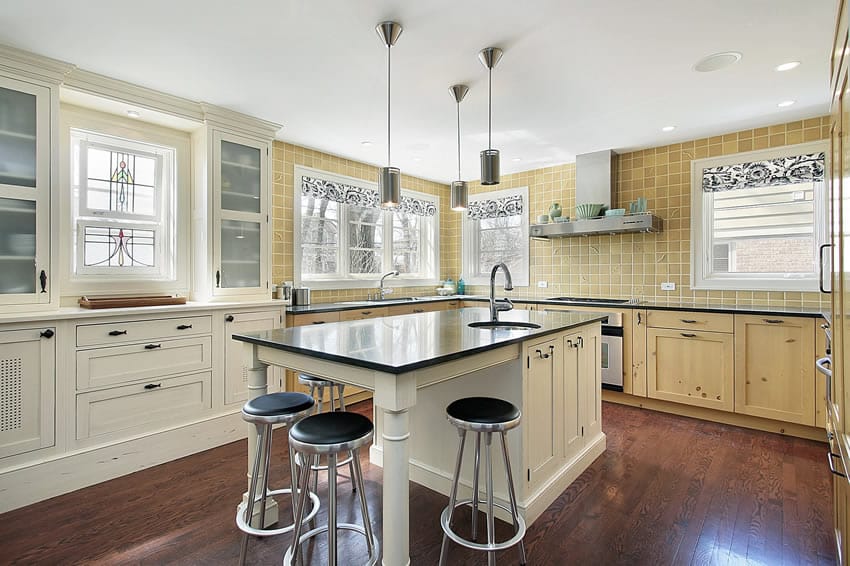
[361,196]
[780,171]
[493,208]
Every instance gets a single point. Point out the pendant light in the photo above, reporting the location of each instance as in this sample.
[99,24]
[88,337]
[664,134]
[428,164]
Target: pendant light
[490,157]
[460,190]
[389,178]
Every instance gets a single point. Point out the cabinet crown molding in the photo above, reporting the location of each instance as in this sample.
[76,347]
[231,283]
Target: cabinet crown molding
[38,67]
[237,122]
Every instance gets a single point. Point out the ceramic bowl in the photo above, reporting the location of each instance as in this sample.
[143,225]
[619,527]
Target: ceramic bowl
[562,219]
[588,210]
[615,212]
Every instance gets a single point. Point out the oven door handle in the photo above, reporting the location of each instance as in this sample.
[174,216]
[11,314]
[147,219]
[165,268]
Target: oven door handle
[820,364]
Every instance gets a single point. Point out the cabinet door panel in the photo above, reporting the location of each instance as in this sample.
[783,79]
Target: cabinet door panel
[542,390]
[774,368]
[27,370]
[690,367]
[573,388]
[235,376]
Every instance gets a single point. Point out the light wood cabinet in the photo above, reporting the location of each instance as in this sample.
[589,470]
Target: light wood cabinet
[690,367]
[235,376]
[774,368]
[363,314]
[638,351]
[690,320]
[543,389]
[27,390]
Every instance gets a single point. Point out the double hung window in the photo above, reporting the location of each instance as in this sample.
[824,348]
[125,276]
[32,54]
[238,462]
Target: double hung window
[345,238]
[758,219]
[495,230]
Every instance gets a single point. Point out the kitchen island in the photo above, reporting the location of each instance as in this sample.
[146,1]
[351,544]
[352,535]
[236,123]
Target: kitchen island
[416,364]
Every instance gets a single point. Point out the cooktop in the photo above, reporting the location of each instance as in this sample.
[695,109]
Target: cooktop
[589,300]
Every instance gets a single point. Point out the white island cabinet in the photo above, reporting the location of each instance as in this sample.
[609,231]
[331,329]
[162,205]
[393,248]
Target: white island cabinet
[417,364]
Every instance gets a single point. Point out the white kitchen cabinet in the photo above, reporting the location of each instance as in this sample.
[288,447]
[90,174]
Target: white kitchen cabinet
[27,390]
[543,391]
[235,375]
[25,180]
[231,215]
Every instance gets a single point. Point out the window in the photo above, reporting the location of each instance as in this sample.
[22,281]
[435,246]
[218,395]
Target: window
[345,239]
[758,219]
[123,208]
[495,229]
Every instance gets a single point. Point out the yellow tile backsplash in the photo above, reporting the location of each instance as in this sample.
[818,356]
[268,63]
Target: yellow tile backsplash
[623,265]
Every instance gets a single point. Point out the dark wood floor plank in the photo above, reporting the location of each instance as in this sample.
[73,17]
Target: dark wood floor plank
[668,490]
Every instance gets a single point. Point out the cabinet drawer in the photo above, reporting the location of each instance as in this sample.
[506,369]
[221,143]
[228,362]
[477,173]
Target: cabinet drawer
[141,330]
[121,364]
[410,309]
[362,314]
[706,321]
[315,318]
[136,409]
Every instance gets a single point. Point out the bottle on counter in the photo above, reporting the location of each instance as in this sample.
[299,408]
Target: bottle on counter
[450,285]
[461,286]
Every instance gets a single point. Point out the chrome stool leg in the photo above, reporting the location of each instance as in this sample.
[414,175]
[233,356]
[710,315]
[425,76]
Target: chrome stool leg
[332,509]
[512,494]
[475,492]
[364,508]
[453,499]
[249,512]
[491,524]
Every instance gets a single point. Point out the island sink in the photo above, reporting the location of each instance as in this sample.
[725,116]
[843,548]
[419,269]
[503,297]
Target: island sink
[508,324]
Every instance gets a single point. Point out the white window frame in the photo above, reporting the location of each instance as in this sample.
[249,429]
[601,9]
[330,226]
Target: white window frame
[342,279]
[470,244]
[173,233]
[702,277]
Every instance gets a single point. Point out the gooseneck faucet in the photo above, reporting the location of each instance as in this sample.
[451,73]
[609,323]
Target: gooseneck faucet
[386,291]
[505,304]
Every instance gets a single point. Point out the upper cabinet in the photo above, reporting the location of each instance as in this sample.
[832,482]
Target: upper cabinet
[25,180]
[231,205]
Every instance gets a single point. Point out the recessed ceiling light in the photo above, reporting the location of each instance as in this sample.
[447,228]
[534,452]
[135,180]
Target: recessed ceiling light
[788,66]
[133,114]
[417,159]
[786,103]
[517,159]
[366,143]
[717,61]
[668,128]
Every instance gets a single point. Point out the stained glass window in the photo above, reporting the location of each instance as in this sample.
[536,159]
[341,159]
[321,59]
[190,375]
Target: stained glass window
[119,247]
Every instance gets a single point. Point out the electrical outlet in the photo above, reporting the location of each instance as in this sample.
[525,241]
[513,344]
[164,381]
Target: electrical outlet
[668,286]
[543,284]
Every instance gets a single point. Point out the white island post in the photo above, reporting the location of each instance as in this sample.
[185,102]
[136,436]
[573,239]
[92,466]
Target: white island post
[416,364]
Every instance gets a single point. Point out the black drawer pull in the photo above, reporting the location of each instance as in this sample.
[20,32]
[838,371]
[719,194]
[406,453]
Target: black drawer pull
[117,332]
[153,346]
[687,321]
[829,456]
[47,333]
[541,355]
[229,318]
[153,385]
[687,335]
[418,310]
[184,327]
[365,313]
[773,320]
[318,322]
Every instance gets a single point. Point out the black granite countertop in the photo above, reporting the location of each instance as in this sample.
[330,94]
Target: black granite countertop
[398,344]
[732,309]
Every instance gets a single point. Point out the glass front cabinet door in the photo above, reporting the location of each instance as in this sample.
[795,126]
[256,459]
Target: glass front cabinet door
[242,216]
[24,192]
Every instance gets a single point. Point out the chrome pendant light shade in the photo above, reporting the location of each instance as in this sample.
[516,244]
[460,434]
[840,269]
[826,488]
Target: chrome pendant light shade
[389,178]
[490,57]
[460,190]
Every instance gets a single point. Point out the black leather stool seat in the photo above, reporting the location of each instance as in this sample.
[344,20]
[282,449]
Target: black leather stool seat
[331,428]
[483,410]
[278,404]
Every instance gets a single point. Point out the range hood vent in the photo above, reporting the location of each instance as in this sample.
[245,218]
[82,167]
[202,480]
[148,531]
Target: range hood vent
[596,182]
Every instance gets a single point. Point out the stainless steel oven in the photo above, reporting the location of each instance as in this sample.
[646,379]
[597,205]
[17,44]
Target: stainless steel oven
[612,341]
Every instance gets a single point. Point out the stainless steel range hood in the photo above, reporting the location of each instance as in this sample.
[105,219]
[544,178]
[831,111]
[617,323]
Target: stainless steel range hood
[596,182]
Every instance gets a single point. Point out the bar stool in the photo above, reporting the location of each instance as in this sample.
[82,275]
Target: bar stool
[331,434]
[318,384]
[264,412]
[482,415]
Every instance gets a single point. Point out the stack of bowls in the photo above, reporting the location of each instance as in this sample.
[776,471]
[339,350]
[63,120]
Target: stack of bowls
[588,210]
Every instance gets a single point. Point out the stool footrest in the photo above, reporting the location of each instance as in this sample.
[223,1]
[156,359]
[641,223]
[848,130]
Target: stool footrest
[247,528]
[447,528]
[373,560]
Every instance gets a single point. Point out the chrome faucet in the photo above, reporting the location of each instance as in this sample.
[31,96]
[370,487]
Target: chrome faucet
[383,291]
[505,304]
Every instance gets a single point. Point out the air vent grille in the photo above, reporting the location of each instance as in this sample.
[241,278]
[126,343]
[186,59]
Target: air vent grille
[11,394]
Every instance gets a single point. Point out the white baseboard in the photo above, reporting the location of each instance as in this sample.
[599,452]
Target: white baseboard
[38,481]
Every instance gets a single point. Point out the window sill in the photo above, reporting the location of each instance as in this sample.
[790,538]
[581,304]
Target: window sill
[389,282]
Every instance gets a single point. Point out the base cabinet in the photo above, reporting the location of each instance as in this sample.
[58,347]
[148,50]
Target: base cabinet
[235,376]
[775,368]
[27,390]
[690,367]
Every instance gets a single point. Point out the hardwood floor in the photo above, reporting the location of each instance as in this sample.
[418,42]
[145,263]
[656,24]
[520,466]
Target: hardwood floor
[669,490]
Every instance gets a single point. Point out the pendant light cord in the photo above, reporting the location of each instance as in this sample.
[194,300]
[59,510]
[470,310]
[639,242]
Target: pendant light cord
[490,108]
[389,66]
[458,142]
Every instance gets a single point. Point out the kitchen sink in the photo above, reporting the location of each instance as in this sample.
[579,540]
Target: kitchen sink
[507,324]
[379,301]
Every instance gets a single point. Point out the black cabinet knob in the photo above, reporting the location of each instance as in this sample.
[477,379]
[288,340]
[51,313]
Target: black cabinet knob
[47,333]
[229,318]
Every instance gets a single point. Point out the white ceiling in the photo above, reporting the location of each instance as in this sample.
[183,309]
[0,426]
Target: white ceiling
[576,75]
